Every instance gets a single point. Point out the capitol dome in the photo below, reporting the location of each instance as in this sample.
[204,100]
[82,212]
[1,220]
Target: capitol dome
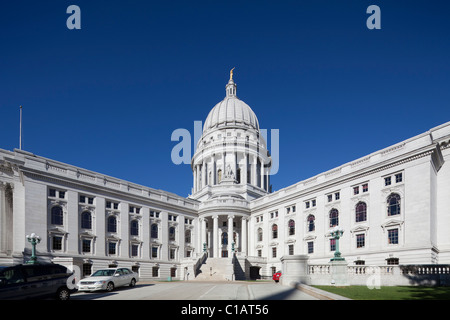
[231,111]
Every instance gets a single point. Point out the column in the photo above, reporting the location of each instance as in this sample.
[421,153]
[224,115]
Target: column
[203,182]
[230,235]
[245,168]
[254,165]
[215,236]
[244,235]
[194,173]
[262,174]
[202,233]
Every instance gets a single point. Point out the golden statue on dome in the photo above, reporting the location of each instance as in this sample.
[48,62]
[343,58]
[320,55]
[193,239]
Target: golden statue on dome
[231,74]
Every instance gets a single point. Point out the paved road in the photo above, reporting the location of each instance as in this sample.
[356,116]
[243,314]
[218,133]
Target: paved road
[199,291]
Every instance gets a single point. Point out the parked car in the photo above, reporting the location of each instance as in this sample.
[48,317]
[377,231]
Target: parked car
[276,276]
[108,279]
[35,281]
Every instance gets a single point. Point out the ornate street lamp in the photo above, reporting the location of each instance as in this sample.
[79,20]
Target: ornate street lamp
[34,240]
[336,233]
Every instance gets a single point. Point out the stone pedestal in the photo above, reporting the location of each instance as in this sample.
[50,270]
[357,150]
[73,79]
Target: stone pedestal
[294,269]
[339,275]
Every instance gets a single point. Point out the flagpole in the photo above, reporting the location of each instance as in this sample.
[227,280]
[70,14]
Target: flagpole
[20,135]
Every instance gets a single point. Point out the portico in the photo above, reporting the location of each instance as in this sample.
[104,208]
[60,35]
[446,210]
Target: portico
[224,234]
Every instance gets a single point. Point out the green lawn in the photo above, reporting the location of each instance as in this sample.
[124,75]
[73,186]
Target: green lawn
[390,293]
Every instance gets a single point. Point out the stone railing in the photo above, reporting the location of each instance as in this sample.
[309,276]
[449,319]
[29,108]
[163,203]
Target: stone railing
[374,276]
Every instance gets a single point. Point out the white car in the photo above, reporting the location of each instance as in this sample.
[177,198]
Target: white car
[108,279]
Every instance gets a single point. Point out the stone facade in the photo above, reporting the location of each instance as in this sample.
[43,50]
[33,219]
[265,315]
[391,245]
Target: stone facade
[393,204]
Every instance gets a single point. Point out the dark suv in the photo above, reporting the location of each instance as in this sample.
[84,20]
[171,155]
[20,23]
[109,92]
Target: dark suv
[35,281]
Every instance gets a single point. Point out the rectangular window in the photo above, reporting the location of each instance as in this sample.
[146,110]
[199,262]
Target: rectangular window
[355,190]
[365,187]
[62,194]
[398,178]
[86,245]
[307,204]
[337,196]
[155,252]
[173,272]
[82,199]
[274,252]
[172,254]
[291,249]
[112,248]
[313,202]
[134,250]
[387,181]
[310,247]
[108,204]
[260,253]
[360,240]
[332,244]
[155,272]
[52,193]
[330,198]
[393,236]
[57,243]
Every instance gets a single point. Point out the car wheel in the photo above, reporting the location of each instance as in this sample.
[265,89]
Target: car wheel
[110,287]
[133,282]
[63,294]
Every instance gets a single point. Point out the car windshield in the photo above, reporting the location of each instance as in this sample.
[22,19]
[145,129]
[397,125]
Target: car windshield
[103,273]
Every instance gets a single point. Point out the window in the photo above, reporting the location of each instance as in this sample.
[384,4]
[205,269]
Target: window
[332,244]
[52,193]
[57,216]
[392,261]
[133,209]
[274,214]
[291,226]
[313,202]
[330,198]
[398,178]
[154,231]
[225,238]
[291,249]
[310,245]
[337,196]
[155,272]
[112,224]
[88,200]
[259,253]
[62,194]
[134,228]
[387,181]
[356,190]
[260,234]
[86,220]
[307,204]
[154,252]
[360,240]
[311,224]
[360,212]
[86,245]
[334,218]
[393,236]
[274,252]
[57,243]
[154,214]
[172,253]
[134,250]
[172,233]
[365,187]
[274,231]
[187,236]
[393,204]
[111,248]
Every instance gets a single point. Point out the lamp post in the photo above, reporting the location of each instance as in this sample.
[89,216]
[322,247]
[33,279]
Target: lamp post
[34,240]
[336,233]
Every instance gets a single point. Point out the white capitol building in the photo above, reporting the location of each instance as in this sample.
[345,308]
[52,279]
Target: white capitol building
[394,205]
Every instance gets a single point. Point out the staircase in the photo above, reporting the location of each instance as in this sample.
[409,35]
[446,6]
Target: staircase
[216,269]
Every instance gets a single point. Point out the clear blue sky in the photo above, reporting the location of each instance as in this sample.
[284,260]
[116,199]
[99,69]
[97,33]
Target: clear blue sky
[108,97]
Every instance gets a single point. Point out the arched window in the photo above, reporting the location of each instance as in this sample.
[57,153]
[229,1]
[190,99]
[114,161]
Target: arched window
[260,234]
[86,220]
[172,233]
[311,223]
[134,228]
[154,231]
[57,216]
[334,218]
[393,204]
[187,236]
[112,224]
[274,231]
[224,238]
[360,212]
[291,226]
